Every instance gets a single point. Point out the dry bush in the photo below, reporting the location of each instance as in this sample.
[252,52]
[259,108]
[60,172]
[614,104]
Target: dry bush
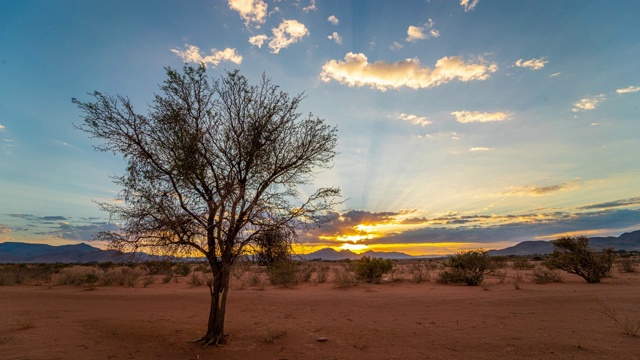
[499,262]
[124,276]
[183,269]
[626,265]
[322,273]
[628,324]
[344,277]
[196,279]
[467,267]
[283,273]
[544,275]
[420,272]
[501,275]
[522,263]
[304,273]
[28,274]
[148,280]
[157,267]
[371,269]
[517,280]
[78,277]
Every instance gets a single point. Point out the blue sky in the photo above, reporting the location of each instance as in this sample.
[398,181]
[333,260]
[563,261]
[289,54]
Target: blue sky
[462,124]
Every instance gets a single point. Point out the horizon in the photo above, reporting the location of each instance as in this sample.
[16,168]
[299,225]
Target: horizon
[461,124]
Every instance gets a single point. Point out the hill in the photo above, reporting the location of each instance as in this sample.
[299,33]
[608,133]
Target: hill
[16,252]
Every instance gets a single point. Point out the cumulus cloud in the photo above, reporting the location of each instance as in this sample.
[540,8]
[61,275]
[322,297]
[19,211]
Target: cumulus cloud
[468,5]
[335,37]
[192,54]
[588,103]
[414,119]
[258,40]
[533,64]
[356,70]
[287,33]
[334,20]
[476,116]
[310,7]
[426,31]
[480,148]
[630,89]
[251,11]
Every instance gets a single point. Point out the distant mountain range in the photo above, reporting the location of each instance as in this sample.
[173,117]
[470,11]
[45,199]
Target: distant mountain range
[15,252]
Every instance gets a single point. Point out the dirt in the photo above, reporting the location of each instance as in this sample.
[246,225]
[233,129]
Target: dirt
[393,320]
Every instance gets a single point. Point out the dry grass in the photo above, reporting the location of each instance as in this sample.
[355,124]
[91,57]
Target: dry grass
[622,318]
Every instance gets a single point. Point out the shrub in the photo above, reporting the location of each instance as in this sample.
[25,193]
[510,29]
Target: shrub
[344,277]
[628,324]
[468,267]
[573,255]
[543,275]
[322,274]
[371,269]
[283,273]
[420,272]
[156,267]
[626,265]
[522,263]
[183,269]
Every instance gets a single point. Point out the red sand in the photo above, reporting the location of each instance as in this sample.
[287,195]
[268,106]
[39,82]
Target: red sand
[399,320]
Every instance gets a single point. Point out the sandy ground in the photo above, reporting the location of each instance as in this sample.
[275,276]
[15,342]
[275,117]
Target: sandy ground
[395,320]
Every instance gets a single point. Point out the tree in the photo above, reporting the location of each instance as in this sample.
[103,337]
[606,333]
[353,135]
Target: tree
[371,269]
[214,166]
[573,255]
[469,267]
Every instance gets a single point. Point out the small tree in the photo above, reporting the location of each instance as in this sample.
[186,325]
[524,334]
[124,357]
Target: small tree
[573,255]
[273,246]
[210,169]
[468,267]
[371,269]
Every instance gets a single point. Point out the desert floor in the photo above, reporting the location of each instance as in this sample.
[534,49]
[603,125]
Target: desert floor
[393,320]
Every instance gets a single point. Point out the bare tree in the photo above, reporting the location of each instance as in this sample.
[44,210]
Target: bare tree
[214,166]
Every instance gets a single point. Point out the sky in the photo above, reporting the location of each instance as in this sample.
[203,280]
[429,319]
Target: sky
[462,124]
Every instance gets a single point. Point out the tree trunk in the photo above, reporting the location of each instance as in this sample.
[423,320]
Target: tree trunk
[219,290]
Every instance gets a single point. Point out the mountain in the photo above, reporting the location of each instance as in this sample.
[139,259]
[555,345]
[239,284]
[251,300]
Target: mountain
[15,252]
[627,241]
[333,255]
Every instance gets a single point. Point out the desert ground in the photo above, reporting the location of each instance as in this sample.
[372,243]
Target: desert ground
[397,319]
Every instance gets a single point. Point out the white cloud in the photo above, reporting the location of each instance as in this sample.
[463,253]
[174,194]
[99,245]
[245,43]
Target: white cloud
[480,148]
[192,54]
[2,128]
[311,7]
[250,10]
[355,70]
[395,46]
[414,119]
[555,74]
[468,5]
[589,103]
[258,40]
[416,33]
[630,89]
[533,64]
[287,33]
[334,20]
[335,37]
[476,116]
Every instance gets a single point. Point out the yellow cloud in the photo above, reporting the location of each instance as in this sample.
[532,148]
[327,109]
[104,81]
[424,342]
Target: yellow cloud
[533,64]
[258,40]
[334,20]
[192,54]
[287,33]
[250,10]
[589,103]
[629,89]
[335,37]
[414,119]
[355,70]
[468,5]
[476,116]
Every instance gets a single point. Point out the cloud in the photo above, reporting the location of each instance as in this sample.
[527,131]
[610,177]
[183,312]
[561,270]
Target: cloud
[311,7]
[287,33]
[334,20]
[258,40]
[396,46]
[355,70]
[468,5]
[4,229]
[612,204]
[426,31]
[589,103]
[192,54]
[533,64]
[555,74]
[476,116]
[539,190]
[251,11]
[630,89]
[335,37]
[414,119]
[83,232]
[480,148]
[2,128]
